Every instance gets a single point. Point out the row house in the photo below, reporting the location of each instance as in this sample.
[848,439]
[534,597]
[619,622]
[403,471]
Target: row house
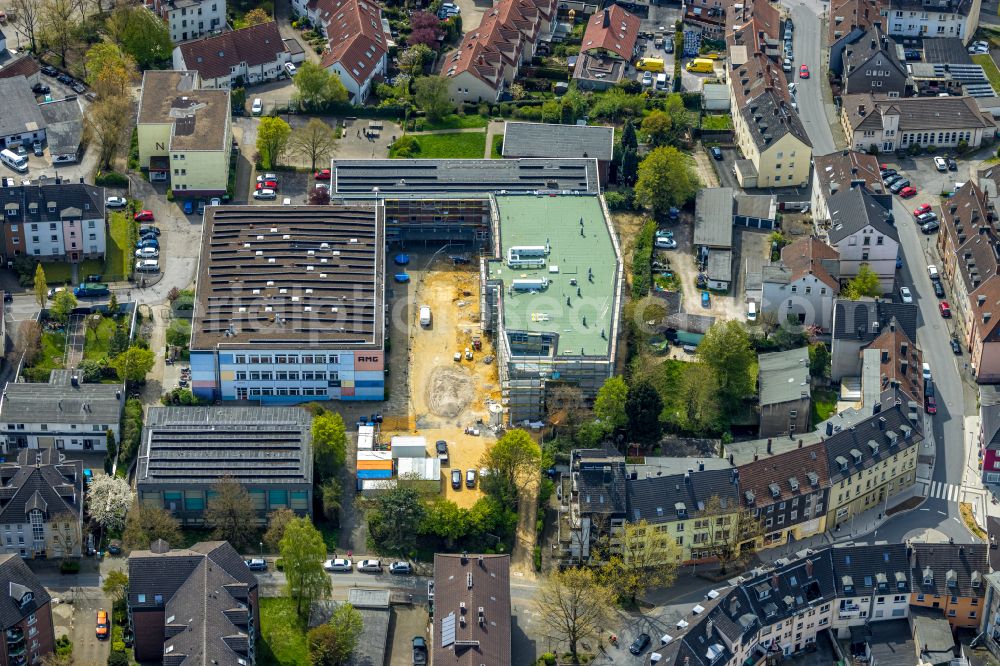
[251,55]
[190,19]
[849,20]
[841,171]
[951,578]
[488,59]
[25,615]
[63,221]
[989,432]
[892,366]
[592,503]
[873,583]
[870,65]
[856,324]
[863,232]
[804,284]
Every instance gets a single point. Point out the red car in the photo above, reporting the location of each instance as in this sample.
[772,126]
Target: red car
[269,184]
[144,216]
[804,72]
[945,309]
[930,405]
[921,209]
[322,174]
[908,192]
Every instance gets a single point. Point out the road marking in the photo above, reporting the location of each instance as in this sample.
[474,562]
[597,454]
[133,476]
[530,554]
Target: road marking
[942,513]
[945,491]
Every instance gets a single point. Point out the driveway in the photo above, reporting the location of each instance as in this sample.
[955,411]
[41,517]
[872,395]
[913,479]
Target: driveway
[724,168]
[282,12]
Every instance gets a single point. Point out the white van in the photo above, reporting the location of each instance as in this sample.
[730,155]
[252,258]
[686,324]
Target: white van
[147,266]
[257,107]
[752,311]
[661,81]
[425,315]
[14,161]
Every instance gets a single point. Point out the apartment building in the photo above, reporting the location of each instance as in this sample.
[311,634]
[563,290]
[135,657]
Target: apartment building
[784,392]
[942,18]
[841,171]
[25,615]
[190,19]
[592,503]
[951,577]
[856,324]
[185,133]
[41,505]
[863,232]
[989,432]
[358,42]
[472,610]
[891,124]
[64,414]
[62,221]
[870,65]
[873,584]
[804,284]
[849,20]
[251,55]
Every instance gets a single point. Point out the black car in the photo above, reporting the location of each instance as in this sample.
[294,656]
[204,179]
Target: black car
[717,153]
[930,227]
[891,178]
[419,651]
[640,644]
[146,231]
[8,297]
[64,78]
[938,289]
[952,164]
[456,479]
[885,173]
[78,87]
[40,89]
[956,348]
[898,186]
[49,70]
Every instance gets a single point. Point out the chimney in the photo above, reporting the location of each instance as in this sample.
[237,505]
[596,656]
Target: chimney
[731,458]
[709,627]
[809,568]
[800,443]
[734,605]
[861,109]
[775,580]
[607,19]
[701,466]
[769,446]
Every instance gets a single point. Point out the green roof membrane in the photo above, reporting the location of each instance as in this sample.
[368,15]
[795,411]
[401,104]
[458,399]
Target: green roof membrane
[578,302]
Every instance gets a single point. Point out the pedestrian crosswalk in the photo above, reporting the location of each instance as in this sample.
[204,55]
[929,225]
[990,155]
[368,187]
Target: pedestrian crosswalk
[945,491]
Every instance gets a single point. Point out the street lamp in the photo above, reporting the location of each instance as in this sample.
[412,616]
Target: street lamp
[262,550]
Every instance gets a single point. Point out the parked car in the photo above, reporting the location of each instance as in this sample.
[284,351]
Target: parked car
[927,217]
[952,164]
[905,295]
[921,209]
[265,194]
[147,253]
[640,644]
[938,288]
[103,625]
[786,65]
[78,87]
[441,447]
[400,568]
[930,405]
[267,176]
[216,201]
[272,184]
[940,164]
[665,243]
[885,173]
[257,564]
[116,202]
[143,216]
[322,174]
[912,54]
[188,207]
[40,89]
[956,347]
[149,231]
[892,178]
[979,47]
[49,70]
[64,78]
[908,192]
[470,478]
[647,78]
[716,153]
[804,72]
[930,227]
[456,479]
[926,369]
[148,241]
[945,309]
[340,565]
[898,186]
[370,566]
[419,651]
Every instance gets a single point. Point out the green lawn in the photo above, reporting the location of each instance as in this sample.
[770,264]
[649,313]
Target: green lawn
[824,405]
[96,346]
[119,252]
[456,145]
[283,638]
[992,73]
[50,357]
[454,121]
[57,272]
[496,147]
[716,122]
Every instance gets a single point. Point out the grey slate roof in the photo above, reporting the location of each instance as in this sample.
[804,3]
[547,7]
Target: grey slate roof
[792,587]
[763,206]
[864,570]
[64,118]
[783,376]
[39,480]
[201,588]
[989,415]
[933,633]
[657,499]
[32,202]
[58,402]
[952,569]
[850,317]
[870,441]
[16,579]
[890,641]
[548,140]
[198,445]
[713,217]
[600,479]
[946,51]
[873,42]
[853,209]
[21,114]
[769,118]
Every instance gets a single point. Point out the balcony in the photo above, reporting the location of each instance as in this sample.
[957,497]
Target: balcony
[14,634]
[17,651]
[849,612]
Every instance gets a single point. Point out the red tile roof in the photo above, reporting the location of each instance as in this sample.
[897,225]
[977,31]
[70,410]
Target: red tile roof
[853,14]
[757,476]
[892,341]
[22,65]
[356,38]
[613,30]
[806,256]
[215,56]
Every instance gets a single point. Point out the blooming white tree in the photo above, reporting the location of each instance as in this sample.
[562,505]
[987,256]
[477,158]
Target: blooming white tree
[108,499]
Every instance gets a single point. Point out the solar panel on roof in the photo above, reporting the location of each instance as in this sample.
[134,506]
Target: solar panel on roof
[448,630]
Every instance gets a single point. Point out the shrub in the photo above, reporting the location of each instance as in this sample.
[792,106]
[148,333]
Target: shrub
[548,659]
[111,179]
[118,658]
[538,558]
[69,566]
[642,255]
[279,564]
[529,113]
[617,201]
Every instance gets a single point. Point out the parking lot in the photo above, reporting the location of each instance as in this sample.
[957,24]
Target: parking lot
[407,622]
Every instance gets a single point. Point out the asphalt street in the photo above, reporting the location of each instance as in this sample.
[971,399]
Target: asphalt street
[806,41]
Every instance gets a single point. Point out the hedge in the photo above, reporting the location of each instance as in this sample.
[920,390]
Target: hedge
[111,179]
[642,256]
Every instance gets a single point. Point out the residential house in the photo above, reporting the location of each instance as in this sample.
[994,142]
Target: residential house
[892,367]
[936,639]
[863,232]
[804,284]
[991,614]
[773,140]
[885,644]
[488,59]
[723,631]
[62,221]
[840,171]
[784,393]
[870,462]
[190,19]
[787,492]
[185,133]
[64,414]
[63,128]
[592,502]
[41,505]
[707,17]
[15,63]
[609,45]
[857,323]
[951,577]
[186,451]
[948,18]
[21,123]
[472,610]
[199,603]
[870,65]
[849,20]
[873,584]
[561,141]
[989,432]
[248,56]
[892,124]
[25,615]
[696,508]
[968,245]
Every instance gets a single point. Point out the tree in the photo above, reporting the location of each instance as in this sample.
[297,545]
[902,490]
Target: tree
[277,521]
[316,141]
[657,127]
[609,406]
[680,119]
[727,350]
[230,512]
[393,514]
[141,34]
[331,644]
[564,404]
[732,531]
[446,520]
[256,16]
[28,343]
[665,179]
[41,286]
[63,304]
[865,283]
[645,558]
[106,121]
[319,196]
[642,407]
[431,94]
[60,25]
[272,140]
[27,19]
[574,605]
[426,30]
[819,360]
[133,364]
[413,59]
[65,531]
[629,139]
[628,165]
[115,585]
[302,553]
[510,464]
[110,71]
[329,441]
[317,86]
[699,399]
[144,524]
[108,500]
[331,492]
